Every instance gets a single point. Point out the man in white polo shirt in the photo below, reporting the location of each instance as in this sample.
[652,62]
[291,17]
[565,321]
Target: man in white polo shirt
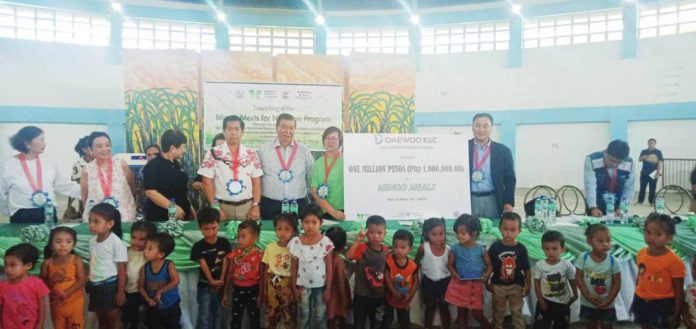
[232,174]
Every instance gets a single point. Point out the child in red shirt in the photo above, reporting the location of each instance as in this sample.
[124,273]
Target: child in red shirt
[401,280]
[245,270]
[22,297]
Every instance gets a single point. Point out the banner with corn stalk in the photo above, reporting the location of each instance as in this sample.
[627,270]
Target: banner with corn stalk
[150,112]
[380,112]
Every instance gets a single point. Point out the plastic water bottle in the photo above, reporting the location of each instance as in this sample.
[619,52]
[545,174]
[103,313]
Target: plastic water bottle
[49,212]
[90,205]
[609,201]
[660,205]
[545,209]
[171,210]
[294,207]
[537,208]
[285,208]
[357,225]
[552,211]
[624,210]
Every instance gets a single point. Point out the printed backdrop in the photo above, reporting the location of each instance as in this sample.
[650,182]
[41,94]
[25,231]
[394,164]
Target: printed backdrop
[164,89]
[314,107]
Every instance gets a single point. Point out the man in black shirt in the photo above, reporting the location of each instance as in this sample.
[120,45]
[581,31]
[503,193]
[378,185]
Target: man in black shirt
[164,180]
[652,169]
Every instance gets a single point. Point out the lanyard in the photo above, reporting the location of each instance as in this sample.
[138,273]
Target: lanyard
[234,166]
[613,180]
[37,185]
[327,167]
[286,166]
[479,163]
[107,182]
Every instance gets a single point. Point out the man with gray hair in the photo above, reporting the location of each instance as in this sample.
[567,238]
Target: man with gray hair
[287,167]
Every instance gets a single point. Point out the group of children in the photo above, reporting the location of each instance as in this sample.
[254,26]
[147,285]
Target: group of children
[117,278]
[505,271]
[301,279]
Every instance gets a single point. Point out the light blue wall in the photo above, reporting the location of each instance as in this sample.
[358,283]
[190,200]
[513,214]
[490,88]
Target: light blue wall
[114,119]
[630,32]
[618,117]
[515,44]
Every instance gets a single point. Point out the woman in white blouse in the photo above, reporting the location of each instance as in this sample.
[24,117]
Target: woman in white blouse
[107,180]
[28,181]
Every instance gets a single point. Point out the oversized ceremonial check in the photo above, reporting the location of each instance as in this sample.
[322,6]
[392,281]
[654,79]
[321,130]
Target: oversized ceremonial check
[315,107]
[406,176]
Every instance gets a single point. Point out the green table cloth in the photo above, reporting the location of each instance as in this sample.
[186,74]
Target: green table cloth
[627,240]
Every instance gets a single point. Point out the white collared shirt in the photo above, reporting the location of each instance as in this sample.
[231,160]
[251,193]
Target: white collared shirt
[218,169]
[271,185]
[15,191]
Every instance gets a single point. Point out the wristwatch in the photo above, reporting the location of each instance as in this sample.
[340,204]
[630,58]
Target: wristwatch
[254,204]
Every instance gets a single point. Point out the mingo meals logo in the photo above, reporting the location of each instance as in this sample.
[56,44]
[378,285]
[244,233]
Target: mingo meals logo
[404,139]
[255,93]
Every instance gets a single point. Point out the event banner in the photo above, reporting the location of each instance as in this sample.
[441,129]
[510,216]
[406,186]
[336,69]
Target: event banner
[315,107]
[406,176]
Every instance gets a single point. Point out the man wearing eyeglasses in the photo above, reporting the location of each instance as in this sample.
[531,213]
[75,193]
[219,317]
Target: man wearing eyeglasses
[492,171]
[608,171]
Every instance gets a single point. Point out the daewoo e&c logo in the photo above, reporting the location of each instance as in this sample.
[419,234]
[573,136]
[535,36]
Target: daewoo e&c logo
[379,139]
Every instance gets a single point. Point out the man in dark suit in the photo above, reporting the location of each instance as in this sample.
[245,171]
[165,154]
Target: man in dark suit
[492,172]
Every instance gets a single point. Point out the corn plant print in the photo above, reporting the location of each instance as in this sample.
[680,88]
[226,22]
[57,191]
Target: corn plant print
[152,111]
[380,112]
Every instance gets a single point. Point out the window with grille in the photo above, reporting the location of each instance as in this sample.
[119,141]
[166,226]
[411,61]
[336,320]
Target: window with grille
[45,24]
[578,28]
[667,18]
[143,33]
[470,37]
[346,41]
[275,40]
